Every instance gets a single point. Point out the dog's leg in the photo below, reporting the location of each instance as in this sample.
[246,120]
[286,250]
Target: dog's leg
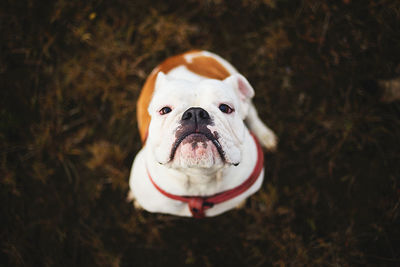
[266,136]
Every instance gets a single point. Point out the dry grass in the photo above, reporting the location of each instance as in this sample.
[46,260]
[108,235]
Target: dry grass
[71,72]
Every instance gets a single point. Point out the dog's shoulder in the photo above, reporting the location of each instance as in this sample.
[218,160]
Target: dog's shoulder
[202,63]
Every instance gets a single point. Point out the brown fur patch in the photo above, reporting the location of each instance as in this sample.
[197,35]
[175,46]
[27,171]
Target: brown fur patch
[202,65]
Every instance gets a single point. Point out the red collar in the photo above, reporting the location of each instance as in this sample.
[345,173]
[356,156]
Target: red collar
[198,205]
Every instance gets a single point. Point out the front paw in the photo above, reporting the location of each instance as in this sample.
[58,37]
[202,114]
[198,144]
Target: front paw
[130,198]
[268,139]
[137,205]
[241,204]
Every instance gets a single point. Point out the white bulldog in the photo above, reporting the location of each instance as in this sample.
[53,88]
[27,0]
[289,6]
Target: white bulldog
[199,158]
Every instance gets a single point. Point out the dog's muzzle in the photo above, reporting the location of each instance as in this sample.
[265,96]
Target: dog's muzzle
[193,125]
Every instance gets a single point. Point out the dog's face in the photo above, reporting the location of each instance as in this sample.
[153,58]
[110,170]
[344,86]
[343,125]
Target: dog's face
[198,124]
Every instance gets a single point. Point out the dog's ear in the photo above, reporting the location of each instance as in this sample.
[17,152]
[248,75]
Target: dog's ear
[160,80]
[241,85]
[244,90]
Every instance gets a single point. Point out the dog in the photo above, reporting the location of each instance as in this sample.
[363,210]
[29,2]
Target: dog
[201,134]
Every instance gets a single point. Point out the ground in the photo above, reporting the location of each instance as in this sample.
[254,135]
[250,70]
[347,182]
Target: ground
[71,72]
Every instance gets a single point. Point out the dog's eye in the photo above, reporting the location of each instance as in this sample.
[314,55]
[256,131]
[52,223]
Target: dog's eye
[165,110]
[225,108]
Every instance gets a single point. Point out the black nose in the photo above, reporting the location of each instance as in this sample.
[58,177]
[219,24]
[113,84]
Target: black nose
[196,115]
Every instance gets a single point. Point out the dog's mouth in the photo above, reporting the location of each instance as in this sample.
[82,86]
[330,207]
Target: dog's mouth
[197,139]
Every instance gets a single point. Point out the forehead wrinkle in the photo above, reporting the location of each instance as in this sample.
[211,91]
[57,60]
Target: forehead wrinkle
[173,92]
[212,89]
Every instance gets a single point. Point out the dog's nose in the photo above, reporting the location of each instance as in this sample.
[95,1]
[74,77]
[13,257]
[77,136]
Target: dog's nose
[196,115]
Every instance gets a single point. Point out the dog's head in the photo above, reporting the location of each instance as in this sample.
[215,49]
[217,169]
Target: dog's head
[198,124]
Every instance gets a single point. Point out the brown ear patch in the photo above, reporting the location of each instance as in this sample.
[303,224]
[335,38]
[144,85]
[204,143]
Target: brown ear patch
[206,66]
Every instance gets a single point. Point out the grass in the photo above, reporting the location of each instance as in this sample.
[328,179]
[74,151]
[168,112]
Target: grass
[71,72]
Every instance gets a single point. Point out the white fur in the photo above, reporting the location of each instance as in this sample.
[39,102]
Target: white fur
[180,90]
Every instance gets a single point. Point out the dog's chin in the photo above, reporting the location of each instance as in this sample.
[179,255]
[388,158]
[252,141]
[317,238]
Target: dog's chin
[197,151]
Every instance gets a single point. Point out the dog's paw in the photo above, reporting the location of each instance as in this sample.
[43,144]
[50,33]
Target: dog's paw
[268,139]
[137,205]
[241,204]
[130,197]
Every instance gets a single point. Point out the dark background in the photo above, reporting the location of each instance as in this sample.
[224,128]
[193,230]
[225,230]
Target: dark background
[71,72]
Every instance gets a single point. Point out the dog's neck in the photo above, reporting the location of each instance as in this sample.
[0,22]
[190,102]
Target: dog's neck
[200,180]
[203,181]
